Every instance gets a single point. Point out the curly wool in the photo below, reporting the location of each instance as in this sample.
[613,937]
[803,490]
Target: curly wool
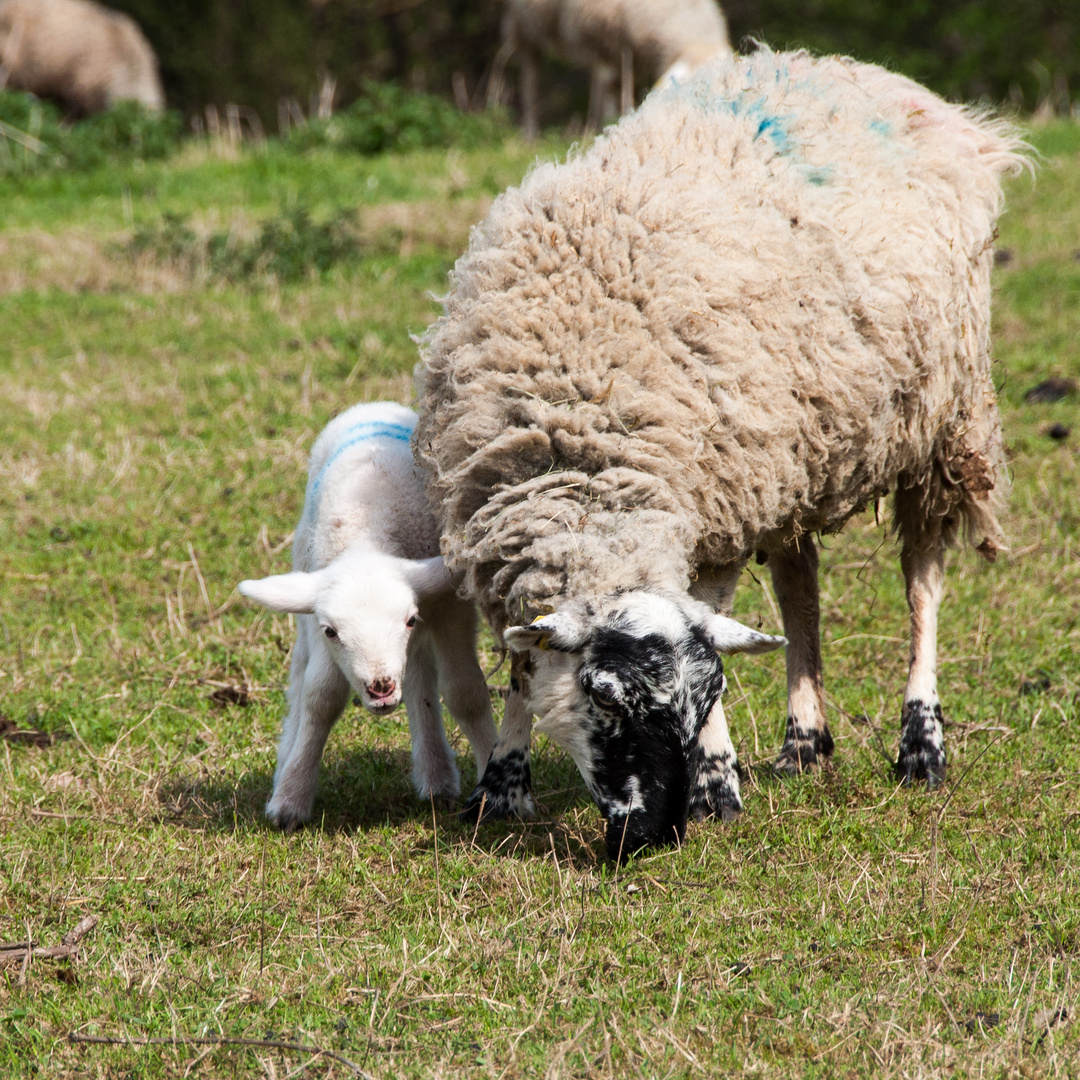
[755,305]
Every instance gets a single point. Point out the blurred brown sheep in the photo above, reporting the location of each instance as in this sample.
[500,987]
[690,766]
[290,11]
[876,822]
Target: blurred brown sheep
[83,55]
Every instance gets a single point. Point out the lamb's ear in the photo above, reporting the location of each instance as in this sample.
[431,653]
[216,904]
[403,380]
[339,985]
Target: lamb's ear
[558,631]
[428,577]
[294,593]
[729,636]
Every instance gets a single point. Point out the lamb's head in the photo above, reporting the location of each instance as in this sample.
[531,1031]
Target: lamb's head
[625,685]
[366,606]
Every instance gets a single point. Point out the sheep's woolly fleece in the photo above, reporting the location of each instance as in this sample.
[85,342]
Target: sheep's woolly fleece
[755,305]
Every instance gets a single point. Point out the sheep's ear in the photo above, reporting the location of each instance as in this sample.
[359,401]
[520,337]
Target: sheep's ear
[729,636]
[294,593]
[558,631]
[428,577]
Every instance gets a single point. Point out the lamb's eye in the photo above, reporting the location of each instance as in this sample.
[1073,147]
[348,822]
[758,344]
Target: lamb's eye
[330,632]
[410,622]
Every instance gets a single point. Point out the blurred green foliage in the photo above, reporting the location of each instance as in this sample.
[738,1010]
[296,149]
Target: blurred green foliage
[254,52]
[33,137]
[387,119]
[289,246]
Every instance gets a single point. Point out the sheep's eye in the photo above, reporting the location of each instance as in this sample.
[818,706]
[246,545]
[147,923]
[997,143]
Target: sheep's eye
[410,622]
[330,632]
[603,699]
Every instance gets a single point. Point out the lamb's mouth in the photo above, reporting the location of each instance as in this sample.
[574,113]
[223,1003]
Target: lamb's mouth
[380,706]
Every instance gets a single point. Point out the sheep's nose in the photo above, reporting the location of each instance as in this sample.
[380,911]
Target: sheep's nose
[381,688]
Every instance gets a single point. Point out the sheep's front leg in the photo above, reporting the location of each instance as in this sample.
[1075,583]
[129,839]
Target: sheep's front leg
[795,579]
[714,771]
[318,692]
[435,771]
[503,790]
[714,767]
[922,736]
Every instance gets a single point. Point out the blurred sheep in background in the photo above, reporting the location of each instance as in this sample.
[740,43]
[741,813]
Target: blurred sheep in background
[83,55]
[611,38]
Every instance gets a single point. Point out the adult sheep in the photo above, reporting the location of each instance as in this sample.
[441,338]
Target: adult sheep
[610,38]
[77,52]
[748,311]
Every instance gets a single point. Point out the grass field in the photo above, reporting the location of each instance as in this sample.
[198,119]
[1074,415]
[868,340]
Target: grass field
[154,422]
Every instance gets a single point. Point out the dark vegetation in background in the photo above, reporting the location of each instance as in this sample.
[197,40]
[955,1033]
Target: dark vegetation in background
[254,52]
[34,138]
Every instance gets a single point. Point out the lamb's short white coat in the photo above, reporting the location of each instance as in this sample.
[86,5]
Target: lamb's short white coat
[375,611]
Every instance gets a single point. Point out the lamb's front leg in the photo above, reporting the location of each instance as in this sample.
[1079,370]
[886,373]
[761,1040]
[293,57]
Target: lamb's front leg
[795,578]
[318,692]
[503,790]
[922,736]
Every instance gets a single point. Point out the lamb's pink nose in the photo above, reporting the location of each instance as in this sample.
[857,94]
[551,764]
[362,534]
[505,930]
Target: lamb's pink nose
[381,688]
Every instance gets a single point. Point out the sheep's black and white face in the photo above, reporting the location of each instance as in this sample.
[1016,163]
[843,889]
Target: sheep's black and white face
[625,685]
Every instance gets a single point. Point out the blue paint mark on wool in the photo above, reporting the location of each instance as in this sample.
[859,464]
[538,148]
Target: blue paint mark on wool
[882,127]
[358,433]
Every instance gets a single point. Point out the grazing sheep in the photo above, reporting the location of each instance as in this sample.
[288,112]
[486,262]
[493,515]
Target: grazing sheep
[375,609]
[84,55]
[608,37]
[754,307]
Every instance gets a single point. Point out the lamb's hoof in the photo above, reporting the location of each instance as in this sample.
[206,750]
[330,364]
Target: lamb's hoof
[286,820]
[922,745]
[503,791]
[803,751]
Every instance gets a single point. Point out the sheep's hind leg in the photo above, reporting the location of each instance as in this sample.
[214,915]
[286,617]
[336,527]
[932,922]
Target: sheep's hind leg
[922,735]
[503,790]
[795,579]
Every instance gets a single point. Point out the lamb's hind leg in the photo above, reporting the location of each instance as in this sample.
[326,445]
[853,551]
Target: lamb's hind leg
[795,578]
[461,680]
[922,736]
[503,790]
[434,766]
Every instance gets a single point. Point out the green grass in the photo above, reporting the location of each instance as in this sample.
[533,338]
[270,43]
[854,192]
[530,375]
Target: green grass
[154,426]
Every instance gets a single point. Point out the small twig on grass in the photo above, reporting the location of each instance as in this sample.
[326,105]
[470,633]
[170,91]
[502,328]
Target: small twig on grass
[24,950]
[220,1040]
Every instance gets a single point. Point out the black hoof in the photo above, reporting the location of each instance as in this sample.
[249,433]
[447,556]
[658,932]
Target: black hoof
[717,800]
[503,791]
[922,745]
[803,751]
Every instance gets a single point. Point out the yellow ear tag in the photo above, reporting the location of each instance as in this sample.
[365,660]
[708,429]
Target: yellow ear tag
[543,642]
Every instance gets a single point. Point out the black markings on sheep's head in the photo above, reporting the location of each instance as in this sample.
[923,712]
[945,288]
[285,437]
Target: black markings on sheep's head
[625,685]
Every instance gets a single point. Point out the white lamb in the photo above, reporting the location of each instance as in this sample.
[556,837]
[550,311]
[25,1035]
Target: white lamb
[755,306]
[375,610]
